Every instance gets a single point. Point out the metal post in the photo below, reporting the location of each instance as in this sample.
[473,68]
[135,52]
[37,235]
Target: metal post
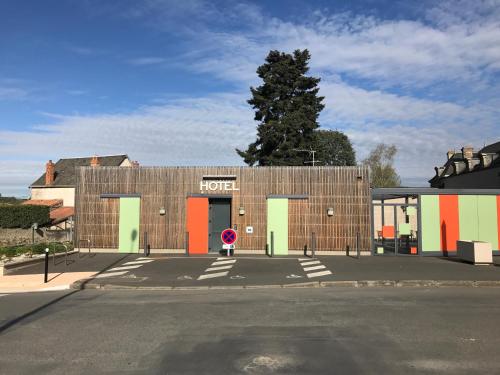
[358,252]
[272,243]
[46,275]
[146,253]
[313,244]
[187,244]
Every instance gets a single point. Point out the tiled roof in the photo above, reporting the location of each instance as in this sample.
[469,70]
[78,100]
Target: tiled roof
[44,202]
[60,214]
[65,169]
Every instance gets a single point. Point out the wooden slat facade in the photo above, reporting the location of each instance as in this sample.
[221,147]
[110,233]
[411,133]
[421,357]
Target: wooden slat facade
[345,189]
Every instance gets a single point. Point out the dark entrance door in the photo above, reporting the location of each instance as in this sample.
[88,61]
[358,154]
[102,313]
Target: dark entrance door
[219,218]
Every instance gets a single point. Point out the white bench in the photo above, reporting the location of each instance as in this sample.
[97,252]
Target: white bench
[475,252]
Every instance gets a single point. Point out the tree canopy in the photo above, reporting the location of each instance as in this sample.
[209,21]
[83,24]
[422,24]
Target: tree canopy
[334,148]
[381,164]
[287,106]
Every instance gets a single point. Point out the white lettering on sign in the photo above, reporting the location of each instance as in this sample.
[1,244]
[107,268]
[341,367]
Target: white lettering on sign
[218,185]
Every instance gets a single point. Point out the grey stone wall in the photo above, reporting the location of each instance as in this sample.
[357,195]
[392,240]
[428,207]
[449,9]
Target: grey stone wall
[18,236]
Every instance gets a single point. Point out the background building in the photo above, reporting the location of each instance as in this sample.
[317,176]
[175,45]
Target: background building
[470,169]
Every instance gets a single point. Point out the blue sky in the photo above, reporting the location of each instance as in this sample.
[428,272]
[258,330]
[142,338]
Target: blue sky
[167,81]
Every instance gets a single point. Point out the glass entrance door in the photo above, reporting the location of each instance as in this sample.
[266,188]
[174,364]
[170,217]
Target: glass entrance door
[395,229]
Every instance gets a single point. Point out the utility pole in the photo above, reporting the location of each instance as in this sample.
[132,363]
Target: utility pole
[312,153]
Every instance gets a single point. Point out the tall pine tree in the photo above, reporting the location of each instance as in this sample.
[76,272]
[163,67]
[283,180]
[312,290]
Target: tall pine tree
[287,106]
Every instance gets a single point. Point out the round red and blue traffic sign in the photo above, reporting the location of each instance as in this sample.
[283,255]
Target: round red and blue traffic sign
[228,236]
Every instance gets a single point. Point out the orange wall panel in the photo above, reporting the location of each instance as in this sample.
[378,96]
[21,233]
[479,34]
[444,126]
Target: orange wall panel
[197,225]
[449,222]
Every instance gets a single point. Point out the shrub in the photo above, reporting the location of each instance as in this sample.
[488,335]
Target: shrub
[39,248]
[23,216]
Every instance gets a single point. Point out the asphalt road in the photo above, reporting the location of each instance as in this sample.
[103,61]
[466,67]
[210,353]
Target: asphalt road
[278,331]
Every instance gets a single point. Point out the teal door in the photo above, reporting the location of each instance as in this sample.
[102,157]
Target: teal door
[277,222]
[130,213]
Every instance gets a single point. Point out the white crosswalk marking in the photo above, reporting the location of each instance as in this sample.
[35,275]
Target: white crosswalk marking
[110,274]
[125,268]
[219,268]
[310,263]
[317,274]
[313,265]
[212,275]
[138,262]
[3,295]
[220,263]
[314,268]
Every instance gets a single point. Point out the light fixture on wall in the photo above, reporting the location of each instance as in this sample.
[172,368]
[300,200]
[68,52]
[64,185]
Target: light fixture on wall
[329,211]
[162,211]
[241,210]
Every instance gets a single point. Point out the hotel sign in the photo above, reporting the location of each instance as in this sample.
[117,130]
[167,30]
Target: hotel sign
[221,183]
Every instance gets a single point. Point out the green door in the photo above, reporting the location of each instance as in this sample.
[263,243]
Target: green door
[130,213]
[277,222]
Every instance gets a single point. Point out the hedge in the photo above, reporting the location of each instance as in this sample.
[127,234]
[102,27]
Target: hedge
[23,216]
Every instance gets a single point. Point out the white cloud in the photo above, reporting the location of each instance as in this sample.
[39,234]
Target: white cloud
[454,46]
[13,93]
[146,61]
[196,131]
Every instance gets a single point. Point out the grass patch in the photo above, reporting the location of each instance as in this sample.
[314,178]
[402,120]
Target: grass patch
[39,248]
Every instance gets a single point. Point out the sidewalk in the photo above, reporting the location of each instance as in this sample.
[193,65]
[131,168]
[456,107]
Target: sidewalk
[61,275]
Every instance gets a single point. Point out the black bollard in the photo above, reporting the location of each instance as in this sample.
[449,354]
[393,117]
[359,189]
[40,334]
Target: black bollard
[146,252]
[46,276]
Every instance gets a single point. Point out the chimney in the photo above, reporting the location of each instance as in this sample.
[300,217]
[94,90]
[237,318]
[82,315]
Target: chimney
[467,152]
[450,154]
[95,161]
[135,164]
[50,173]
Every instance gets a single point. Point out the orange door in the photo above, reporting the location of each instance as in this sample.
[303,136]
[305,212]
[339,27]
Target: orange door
[197,225]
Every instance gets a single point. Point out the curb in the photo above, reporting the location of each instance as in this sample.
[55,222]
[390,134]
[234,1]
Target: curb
[87,284]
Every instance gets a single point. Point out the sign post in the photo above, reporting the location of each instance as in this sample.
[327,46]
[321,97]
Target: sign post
[228,237]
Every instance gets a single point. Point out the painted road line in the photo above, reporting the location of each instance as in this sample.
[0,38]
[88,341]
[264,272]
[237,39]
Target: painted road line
[224,258]
[125,268]
[110,274]
[3,295]
[314,268]
[219,268]
[310,263]
[138,262]
[144,258]
[304,259]
[220,263]
[317,274]
[212,275]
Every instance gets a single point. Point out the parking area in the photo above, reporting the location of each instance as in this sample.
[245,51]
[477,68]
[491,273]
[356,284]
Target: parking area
[134,270]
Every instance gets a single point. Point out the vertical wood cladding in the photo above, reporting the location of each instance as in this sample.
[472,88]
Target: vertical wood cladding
[168,188]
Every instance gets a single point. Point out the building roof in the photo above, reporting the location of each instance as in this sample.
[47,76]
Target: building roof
[44,202]
[467,161]
[61,214]
[65,169]
[493,148]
